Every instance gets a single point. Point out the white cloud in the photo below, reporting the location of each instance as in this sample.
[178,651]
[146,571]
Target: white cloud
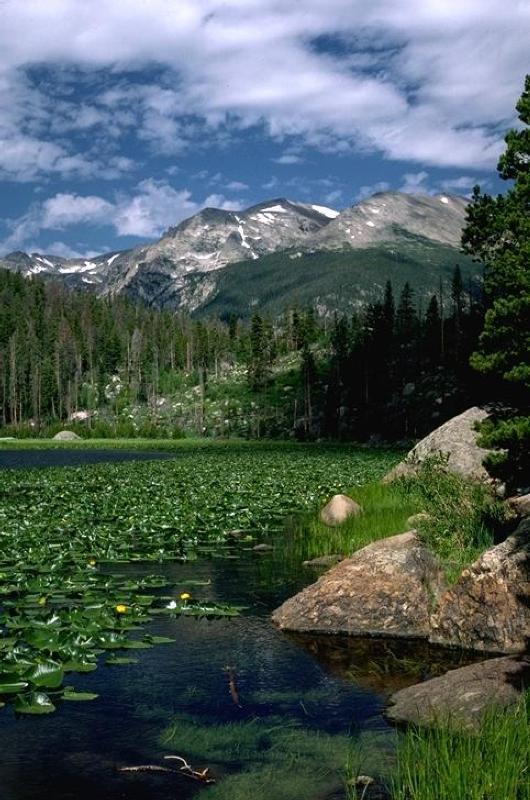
[415,183]
[288,158]
[423,80]
[66,251]
[463,184]
[368,191]
[62,210]
[334,197]
[237,186]
[147,214]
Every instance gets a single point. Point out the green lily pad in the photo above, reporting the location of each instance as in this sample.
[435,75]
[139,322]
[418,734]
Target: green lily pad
[34,703]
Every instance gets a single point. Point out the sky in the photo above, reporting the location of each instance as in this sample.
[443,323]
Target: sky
[118,120]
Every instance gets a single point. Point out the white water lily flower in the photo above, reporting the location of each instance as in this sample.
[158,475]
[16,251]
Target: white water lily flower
[172,604]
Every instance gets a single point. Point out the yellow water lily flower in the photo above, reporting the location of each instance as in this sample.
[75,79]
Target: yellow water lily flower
[41,601]
[92,562]
[121,608]
[185,596]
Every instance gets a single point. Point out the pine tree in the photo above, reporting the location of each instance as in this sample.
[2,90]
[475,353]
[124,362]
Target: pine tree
[498,234]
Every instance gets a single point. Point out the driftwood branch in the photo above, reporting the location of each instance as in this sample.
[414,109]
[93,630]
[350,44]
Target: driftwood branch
[146,768]
[186,770]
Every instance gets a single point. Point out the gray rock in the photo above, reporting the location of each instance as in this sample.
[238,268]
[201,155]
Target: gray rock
[461,696]
[519,506]
[66,436]
[488,608]
[385,589]
[418,519]
[262,548]
[339,509]
[457,441]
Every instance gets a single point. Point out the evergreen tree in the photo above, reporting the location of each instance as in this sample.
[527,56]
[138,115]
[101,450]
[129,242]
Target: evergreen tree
[498,234]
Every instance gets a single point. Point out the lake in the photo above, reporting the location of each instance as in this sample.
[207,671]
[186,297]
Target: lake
[272,716]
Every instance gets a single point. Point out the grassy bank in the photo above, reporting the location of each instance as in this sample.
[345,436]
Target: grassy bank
[447,764]
[456,519]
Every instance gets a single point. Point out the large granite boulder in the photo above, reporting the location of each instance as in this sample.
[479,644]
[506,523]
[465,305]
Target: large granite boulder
[461,696]
[339,509]
[66,436]
[457,441]
[489,607]
[385,589]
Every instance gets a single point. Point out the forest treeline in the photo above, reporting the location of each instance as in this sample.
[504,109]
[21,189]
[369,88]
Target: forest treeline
[390,371]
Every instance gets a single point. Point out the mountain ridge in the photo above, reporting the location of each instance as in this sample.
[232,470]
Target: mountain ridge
[184,268]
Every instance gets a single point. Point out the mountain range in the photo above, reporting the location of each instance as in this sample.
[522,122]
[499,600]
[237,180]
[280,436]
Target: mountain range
[277,253]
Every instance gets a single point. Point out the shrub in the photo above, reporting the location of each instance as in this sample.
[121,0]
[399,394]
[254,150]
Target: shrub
[461,516]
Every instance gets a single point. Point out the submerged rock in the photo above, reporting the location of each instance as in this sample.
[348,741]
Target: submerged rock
[489,607]
[66,436]
[385,589]
[339,509]
[323,561]
[461,696]
[457,441]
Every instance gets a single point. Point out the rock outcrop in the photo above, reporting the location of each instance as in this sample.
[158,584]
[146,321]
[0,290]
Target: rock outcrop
[66,436]
[519,506]
[385,589]
[461,696]
[457,441]
[489,607]
[339,509]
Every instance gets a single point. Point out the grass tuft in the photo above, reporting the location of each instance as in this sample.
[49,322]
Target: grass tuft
[447,764]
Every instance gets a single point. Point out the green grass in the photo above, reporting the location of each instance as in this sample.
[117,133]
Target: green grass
[461,516]
[385,510]
[447,764]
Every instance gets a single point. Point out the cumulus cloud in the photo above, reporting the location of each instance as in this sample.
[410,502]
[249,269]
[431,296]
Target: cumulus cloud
[153,207]
[418,80]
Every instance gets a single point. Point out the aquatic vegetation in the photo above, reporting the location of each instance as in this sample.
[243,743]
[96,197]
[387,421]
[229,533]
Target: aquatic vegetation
[263,758]
[72,541]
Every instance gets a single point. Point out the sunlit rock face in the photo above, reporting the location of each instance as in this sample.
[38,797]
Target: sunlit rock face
[385,589]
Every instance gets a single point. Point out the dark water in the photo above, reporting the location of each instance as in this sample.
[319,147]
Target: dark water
[283,684]
[16,459]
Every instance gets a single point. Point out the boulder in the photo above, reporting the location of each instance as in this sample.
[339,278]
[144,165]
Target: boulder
[461,696]
[66,436]
[419,519]
[489,607]
[385,589]
[457,441]
[339,509]
[519,506]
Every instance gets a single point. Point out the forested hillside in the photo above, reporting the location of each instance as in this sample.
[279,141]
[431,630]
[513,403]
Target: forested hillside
[108,366]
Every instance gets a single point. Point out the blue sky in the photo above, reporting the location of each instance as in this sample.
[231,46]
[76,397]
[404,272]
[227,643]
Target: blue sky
[119,120]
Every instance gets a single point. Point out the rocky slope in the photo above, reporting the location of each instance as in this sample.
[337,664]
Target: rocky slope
[183,269]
